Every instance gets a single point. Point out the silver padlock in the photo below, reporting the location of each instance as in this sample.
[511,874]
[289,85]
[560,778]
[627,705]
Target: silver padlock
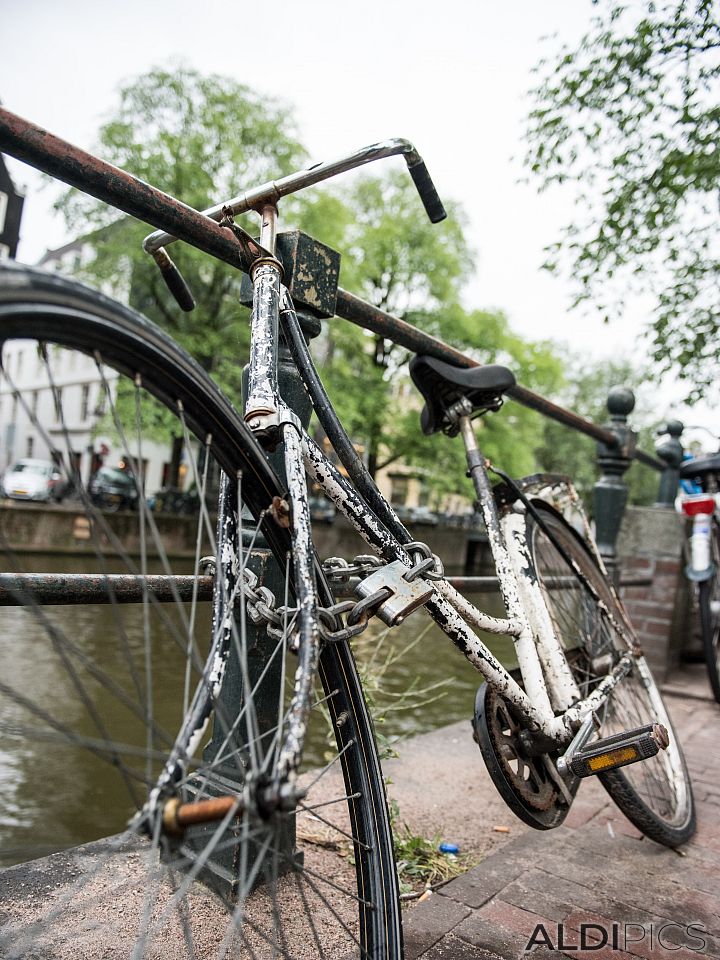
[406,595]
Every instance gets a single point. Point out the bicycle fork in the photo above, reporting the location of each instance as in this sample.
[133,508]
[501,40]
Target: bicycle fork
[272,422]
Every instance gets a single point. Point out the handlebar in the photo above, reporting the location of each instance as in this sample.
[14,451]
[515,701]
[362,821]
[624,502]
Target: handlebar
[27,142]
[274,190]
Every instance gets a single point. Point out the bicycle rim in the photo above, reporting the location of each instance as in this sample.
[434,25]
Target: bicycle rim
[709,608]
[655,794]
[91,706]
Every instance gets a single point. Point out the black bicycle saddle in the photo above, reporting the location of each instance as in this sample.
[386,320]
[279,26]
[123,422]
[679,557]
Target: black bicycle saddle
[442,385]
[700,467]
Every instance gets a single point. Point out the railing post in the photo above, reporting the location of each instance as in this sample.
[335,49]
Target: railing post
[222,872]
[299,256]
[610,492]
[671,453]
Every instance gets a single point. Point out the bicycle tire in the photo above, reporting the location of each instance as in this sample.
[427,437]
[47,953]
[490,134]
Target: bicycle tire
[709,610]
[361,913]
[656,794]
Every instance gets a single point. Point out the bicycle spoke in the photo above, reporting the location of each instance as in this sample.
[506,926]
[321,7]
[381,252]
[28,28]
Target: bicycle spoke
[654,793]
[343,833]
[131,689]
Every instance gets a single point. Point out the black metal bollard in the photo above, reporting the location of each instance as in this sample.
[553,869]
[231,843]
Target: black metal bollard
[610,492]
[670,451]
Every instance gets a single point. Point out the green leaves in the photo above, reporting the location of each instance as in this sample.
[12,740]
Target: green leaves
[585,391]
[202,139]
[631,120]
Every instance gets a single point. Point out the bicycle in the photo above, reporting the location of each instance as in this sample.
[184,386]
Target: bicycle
[701,475]
[239,816]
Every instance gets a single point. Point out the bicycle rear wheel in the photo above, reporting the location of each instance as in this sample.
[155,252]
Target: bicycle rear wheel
[655,794]
[709,609]
[94,689]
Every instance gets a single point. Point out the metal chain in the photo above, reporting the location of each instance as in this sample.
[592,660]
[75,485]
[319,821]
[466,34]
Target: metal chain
[280,620]
[262,606]
[339,570]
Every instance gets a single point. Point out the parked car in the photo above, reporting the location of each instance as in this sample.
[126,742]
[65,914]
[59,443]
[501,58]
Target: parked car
[176,501]
[450,519]
[424,515]
[416,515]
[33,480]
[113,489]
[321,510]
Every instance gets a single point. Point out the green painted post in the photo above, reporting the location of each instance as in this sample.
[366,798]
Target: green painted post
[610,492]
[670,451]
[300,256]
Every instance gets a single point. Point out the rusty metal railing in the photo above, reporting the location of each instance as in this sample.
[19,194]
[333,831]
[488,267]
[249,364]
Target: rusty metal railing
[363,314]
[48,153]
[616,442]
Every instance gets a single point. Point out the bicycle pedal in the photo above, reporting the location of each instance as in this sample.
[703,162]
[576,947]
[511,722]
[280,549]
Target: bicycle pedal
[621,749]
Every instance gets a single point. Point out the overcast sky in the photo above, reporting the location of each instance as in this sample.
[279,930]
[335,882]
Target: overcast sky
[451,76]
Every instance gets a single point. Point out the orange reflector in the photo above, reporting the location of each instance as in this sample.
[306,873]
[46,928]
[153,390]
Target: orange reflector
[604,761]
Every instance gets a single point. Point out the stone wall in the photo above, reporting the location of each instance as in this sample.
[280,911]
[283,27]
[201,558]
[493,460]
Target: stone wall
[452,544]
[62,528]
[650,545]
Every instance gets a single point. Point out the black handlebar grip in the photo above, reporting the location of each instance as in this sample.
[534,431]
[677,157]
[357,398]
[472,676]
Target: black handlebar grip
[428,194]
[174,280]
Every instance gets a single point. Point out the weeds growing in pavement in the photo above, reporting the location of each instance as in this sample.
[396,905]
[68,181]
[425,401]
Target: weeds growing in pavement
[420,864]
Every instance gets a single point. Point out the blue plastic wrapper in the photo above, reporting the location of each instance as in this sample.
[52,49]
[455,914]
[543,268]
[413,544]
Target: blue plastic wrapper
[448,848]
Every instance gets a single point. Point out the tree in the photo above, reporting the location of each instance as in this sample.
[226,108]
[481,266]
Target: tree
[397,260]
[201,139]
[565,451]
[631,118]
[206,138]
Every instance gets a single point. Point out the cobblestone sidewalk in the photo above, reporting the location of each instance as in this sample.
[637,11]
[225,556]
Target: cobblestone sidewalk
[596,873]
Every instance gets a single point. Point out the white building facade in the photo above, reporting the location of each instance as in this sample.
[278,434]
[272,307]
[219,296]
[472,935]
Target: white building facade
[66,420]
[63,415]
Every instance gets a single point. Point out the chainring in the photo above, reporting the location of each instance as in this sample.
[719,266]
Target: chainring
[523,782]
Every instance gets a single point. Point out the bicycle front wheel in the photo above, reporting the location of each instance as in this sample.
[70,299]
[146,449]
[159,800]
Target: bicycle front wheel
[655,795]
[113,644]
[709,608]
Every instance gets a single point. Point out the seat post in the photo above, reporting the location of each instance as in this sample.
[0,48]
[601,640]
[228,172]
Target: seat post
[478,472]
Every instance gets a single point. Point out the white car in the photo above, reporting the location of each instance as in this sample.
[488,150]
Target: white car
[32,480]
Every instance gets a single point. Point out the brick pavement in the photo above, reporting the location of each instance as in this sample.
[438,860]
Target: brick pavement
[596,869]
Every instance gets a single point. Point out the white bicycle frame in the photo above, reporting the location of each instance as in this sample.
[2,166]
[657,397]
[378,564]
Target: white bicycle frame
[550,702]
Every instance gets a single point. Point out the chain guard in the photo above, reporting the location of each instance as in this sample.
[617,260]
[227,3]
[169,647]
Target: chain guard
[523,782]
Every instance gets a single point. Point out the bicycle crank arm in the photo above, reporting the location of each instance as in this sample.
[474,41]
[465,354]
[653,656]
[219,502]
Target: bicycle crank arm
[619,750]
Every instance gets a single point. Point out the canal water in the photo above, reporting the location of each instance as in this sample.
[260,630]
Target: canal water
[56,787]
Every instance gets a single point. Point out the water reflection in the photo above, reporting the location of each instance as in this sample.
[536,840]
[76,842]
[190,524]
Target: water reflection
[86,669]
[428,682]
[79,676]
